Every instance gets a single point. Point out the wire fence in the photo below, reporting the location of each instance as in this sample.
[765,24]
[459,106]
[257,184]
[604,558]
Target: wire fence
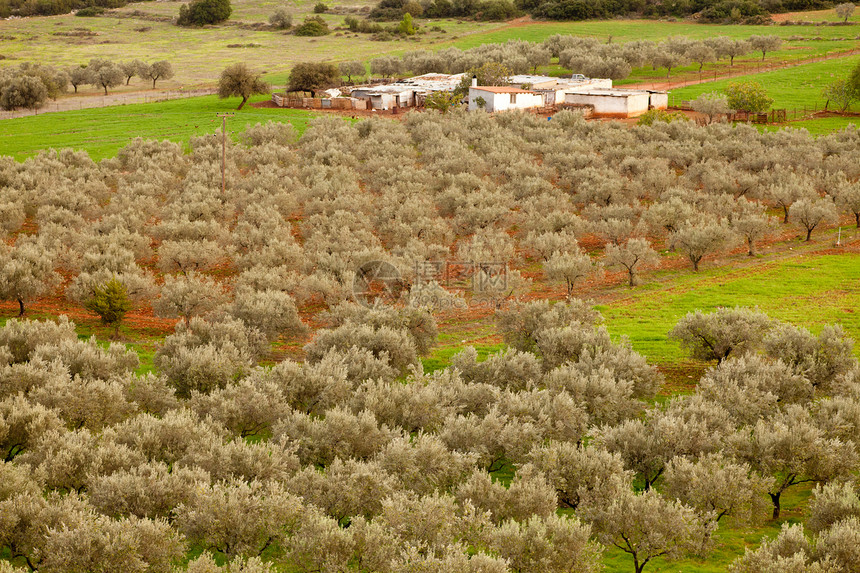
[90,102]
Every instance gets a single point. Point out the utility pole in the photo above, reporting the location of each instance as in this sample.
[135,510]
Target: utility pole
[224,117]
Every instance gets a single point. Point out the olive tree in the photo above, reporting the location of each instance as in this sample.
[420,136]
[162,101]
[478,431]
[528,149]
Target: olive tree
[716,335]
[845,10]
[765,44]
[711,105]
[810,213]
[632,256]
[718,486]
[698,241]
[569,267]
[160,70]
[792,448]
[848,198]
[27,272]
[240,81]
[105,74]
[647,526]
[188,295]
[353,68]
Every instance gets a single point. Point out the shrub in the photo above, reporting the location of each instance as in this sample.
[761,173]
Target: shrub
[203,12]
[281,19]
[312,26]
[748,96]
[320,8]
[660,115]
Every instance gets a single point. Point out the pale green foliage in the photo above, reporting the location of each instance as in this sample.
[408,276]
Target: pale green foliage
[647,525]
[238,518]
[205,355]
[633,256]
[188,295]
[832,503]
[27,272]
[569,267]
[394,345]
[716,335]
[820,359]
[511,369]
[717,487]
[578,473]
[711,105]
[845,10]
[550,544]
[22,424]
[272,312]
[752,388]
[812,213]
[150,490]
[698,241]
[340,434]
[790,446]
[764,44]
[419,323]
[100,544]
[520,324]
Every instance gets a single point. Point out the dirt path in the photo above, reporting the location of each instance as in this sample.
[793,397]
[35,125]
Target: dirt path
[674,84]
[73,102]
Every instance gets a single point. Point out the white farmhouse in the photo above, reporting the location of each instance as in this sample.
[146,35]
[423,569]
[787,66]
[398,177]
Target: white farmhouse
[503,98]
[616,102]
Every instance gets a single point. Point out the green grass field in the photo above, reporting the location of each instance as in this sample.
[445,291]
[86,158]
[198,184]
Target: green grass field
[102,131]
[199,54]
[805,290]
[792,87]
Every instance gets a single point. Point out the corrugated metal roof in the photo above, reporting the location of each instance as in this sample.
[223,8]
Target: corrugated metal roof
[502,90]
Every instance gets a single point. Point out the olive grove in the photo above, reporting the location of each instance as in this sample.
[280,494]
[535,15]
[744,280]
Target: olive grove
[357,459]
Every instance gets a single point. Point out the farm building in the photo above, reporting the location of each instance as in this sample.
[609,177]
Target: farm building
[503,98]
[405,93]
[617,102]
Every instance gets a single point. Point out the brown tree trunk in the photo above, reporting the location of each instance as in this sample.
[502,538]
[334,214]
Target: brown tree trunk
[857,218]
[20,307]
[809,234]
[774,497]
[153,83]
[751,245]
[244,99]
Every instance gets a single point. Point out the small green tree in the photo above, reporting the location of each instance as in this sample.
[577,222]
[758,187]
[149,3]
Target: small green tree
[310,77]
[406,27]
[110,302]
[841,93]
[442,101]
[748,96]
